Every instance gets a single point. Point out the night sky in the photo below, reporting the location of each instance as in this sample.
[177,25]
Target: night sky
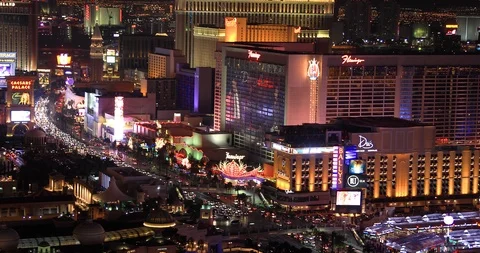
[431,4]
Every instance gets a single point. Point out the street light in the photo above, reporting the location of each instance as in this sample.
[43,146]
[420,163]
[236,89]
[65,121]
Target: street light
[448,220]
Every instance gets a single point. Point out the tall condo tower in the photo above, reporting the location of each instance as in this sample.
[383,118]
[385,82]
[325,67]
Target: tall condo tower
[96,56]
[313,14]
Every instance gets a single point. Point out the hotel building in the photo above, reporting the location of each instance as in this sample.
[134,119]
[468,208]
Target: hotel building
[18,30]
[162,63]
[316,14]
[395,161]
[257,90]
[236,30]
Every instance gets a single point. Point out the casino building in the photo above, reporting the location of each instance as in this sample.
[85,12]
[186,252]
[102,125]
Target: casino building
[395,162]
[258,89]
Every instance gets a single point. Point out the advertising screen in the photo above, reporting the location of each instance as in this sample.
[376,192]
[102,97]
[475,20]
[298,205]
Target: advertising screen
[44,78]
[20,116]
[21,98]
[349,198]
[356,167]
[110,59]
[5,69]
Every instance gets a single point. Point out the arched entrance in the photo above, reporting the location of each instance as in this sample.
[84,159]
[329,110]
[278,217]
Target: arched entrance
[19,130]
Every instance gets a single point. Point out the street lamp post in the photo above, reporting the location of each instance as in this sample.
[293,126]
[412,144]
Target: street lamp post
[448,220]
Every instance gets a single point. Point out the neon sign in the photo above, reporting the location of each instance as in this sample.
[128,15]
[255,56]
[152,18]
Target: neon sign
[313,71]
[64,59]
[349,59]
[365,145]
[229,22]
[364,142]
[234,157]
[253,55]
[288,191]
[337,170]
[21,85]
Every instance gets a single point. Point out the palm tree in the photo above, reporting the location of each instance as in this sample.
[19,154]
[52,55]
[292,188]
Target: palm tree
[338,241]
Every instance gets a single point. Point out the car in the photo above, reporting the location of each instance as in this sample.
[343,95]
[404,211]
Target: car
[235,222]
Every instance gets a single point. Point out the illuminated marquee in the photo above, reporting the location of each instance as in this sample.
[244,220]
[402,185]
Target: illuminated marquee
[253,55]
[350,59]
[230,22]
[64,59]
[313,71]
[119,120]
[337,171]
[21,85]
[8,55]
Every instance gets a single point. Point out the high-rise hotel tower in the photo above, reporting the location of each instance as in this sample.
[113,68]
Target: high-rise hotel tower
[313,14]
[18,32]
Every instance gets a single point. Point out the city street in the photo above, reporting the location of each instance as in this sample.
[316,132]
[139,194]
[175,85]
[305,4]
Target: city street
[255,223]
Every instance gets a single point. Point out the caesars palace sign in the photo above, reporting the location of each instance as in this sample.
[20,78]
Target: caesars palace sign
[21,85]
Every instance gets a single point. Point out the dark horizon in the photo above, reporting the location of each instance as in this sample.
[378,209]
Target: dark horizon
[430,4]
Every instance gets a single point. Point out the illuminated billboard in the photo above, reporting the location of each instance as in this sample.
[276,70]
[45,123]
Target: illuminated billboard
[64,59]
[349,201]
[6,70]
[43,78]
[110,59]
[20,116]
[7,64]
[349,198]
[21,98]
[357,167]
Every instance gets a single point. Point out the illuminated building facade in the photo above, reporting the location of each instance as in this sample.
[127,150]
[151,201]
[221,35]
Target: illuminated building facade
[96,15]
[396,161]
[315,14]
[20,104]
[103,115]
[255,95]
[19,28]
[134,49]
[236,30]
[162,63]
[468,28]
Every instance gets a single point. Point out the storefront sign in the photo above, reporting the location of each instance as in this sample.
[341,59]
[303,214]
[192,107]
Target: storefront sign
[253,55]
[349,59]
[288,191]
[21,85]
[234,157]
[313,71]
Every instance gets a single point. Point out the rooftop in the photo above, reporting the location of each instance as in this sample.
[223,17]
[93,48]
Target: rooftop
[375,122]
